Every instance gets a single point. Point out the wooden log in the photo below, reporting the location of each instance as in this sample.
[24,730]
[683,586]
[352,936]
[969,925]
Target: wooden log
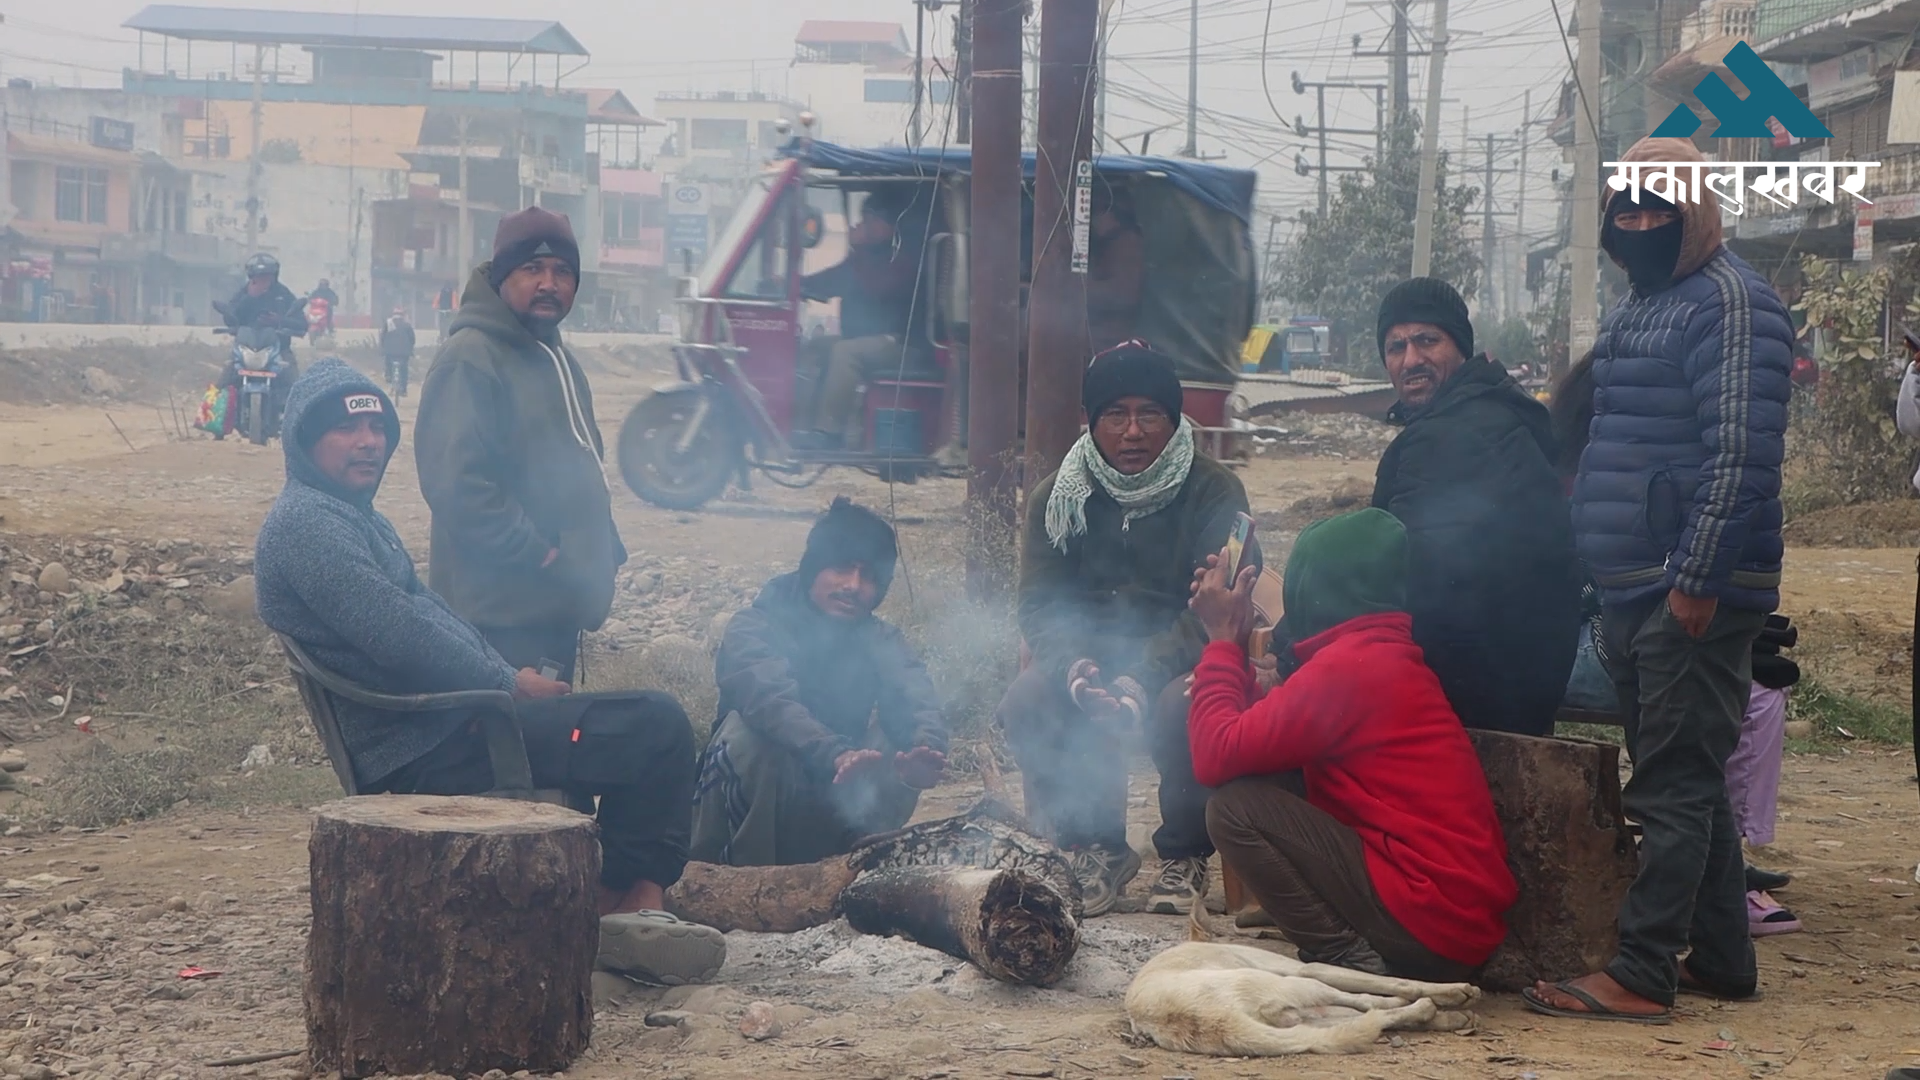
[1015,926]
[1558,801]
[450,935]
[763,899]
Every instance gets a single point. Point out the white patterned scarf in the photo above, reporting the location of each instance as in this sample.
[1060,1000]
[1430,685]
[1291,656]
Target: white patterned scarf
[1143,493]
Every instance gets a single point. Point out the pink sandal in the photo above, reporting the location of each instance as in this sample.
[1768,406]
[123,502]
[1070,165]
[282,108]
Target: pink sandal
[1765,916]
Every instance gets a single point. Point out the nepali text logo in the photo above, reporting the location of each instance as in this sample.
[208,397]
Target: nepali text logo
[363,403]
[1768,96]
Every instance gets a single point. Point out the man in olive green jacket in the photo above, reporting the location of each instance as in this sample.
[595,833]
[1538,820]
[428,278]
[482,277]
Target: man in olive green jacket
[510,458]
[1112,542]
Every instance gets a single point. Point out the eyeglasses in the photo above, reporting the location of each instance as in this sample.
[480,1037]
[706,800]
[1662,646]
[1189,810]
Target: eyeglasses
[1424,341]
[1116,421]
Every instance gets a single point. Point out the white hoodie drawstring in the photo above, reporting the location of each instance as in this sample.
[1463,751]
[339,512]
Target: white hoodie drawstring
[576,413]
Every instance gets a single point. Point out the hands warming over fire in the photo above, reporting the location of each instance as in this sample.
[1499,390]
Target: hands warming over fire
[920,768]
[1225,609]
[1117,702]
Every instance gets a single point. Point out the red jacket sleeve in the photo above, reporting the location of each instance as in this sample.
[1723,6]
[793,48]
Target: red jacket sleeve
[1296,724]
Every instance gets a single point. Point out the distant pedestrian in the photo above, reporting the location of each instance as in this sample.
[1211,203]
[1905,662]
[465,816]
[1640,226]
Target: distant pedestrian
[396,345]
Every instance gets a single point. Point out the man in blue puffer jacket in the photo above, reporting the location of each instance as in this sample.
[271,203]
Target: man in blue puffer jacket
[1676,512]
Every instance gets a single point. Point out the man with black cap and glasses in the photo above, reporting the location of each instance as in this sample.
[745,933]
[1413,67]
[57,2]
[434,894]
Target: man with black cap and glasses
[1493,585]
[511,459]
[1111,544]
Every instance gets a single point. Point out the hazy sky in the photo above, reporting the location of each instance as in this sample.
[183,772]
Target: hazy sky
[1501,49]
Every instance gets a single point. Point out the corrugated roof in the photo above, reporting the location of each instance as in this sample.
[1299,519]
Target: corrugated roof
[255,27]
[843,32]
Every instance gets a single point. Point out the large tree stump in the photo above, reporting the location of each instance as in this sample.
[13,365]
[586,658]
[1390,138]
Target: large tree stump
[1558,801]
[450,935]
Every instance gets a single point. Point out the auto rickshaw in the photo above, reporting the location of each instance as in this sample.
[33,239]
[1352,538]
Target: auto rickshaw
[749,367]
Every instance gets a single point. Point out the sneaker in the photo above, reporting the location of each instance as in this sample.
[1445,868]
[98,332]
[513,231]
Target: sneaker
[1103,875]
[655,947]
[1759,880]
[1765,916]
[1181,884]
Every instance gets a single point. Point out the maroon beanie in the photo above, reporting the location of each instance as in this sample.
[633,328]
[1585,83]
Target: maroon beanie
[529,234]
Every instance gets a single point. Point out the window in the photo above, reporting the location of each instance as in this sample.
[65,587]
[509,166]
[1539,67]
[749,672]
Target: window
[80,194]
[763,273]
[622,219]
[719,135]
[890,91]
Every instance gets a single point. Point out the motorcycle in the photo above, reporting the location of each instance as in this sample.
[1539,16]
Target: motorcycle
[319,319]
[258,361]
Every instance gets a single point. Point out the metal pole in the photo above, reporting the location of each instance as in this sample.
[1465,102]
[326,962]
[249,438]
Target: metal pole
[463,246]
[253,153]
[1399,68]
[1057,341]
[1320,92]
[1193,82]
[1518,284]
[1430,144]
[919,70]
[1100,82]
[1582,309]
[993,389]
[1487,291]
[963,73]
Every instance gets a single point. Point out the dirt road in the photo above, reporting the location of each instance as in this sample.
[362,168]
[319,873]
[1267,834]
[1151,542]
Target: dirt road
[97,924]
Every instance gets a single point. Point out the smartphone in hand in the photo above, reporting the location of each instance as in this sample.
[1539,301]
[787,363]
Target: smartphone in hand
[548,669]
[1237,538]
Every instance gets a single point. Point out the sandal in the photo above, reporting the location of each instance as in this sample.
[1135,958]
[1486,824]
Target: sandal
[1593,1011]
[1765,916]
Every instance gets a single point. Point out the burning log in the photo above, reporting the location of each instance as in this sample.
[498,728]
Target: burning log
[1014,926]
[977,886]
[450,935]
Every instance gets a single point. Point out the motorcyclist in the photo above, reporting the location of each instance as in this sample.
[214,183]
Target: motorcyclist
[324,291]
[265,302]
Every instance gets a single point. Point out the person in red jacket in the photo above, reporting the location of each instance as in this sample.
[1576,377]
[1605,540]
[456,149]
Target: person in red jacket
[1350,801]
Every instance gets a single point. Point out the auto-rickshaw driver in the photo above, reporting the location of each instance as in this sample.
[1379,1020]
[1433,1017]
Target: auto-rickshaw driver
[880,310]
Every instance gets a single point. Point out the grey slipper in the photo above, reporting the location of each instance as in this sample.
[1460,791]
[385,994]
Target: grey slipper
[659,948]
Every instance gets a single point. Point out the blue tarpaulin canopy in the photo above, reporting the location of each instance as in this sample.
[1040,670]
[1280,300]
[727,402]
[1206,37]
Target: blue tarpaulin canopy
[1229,190]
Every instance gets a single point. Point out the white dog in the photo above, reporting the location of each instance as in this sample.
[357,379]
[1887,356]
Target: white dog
[1203,997]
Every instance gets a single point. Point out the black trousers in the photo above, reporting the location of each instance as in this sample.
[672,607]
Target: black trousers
[526,646]
[1682,699]
[634,750]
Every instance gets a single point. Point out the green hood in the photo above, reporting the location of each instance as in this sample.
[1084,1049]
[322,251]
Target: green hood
[1343,568]
[482,309]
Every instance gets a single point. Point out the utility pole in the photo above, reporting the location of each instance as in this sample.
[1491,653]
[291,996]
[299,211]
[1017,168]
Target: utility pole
[1430,144]
[1582,308]
[1301,86]
[993,389]
[1100,80]
[1517,282]
[1057,343]
[463,244]
[1398,69]
[1492,305]
[962,88]
[914,136]
[253,154]
[1193,82]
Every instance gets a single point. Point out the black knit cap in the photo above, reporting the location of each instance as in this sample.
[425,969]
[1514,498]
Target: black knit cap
[1426,300]
[528,234]
[1132,369]
[849,533]
[330,411]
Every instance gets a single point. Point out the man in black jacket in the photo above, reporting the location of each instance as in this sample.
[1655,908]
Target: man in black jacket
[829,727]
[1495,592]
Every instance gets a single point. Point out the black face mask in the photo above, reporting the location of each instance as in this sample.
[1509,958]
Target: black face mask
[1650,255]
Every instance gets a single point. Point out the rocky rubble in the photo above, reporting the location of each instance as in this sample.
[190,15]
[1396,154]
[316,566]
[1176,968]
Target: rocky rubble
[1340,435]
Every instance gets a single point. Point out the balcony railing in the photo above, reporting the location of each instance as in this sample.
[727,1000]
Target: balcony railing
[185,248]
[1777,17]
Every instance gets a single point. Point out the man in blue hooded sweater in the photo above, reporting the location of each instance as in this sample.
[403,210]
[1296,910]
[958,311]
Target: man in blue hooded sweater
[1676,512]
[334,576]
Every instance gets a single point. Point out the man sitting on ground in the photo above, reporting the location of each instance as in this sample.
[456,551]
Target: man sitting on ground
[334,576]
[830,727]
[1112,541]
[1381,852]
